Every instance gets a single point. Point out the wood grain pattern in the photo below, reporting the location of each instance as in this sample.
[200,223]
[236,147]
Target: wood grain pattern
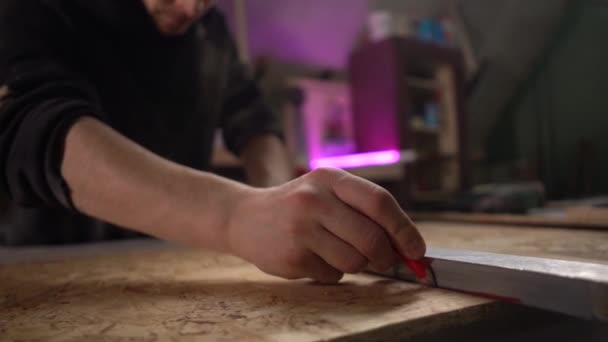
[188,295]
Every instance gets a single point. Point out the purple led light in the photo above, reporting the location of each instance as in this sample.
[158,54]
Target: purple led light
[357,160]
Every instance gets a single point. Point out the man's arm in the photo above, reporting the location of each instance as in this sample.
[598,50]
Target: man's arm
[266,162]
[250,129]
[116,180]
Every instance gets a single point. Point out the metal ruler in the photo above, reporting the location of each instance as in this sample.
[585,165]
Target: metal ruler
[573,288]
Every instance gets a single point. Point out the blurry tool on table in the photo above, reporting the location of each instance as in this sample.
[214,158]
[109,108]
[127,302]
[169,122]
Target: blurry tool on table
[591,211]
[515,198]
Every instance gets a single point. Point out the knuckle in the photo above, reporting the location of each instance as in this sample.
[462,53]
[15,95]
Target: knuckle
[381,198]
[306,197]
[322,172]
[326,173]
[298,229]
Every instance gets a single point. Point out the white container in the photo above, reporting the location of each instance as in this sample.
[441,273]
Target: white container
[384,24]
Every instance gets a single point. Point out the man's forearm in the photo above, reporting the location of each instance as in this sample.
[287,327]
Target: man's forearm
[266,162]
[118,181]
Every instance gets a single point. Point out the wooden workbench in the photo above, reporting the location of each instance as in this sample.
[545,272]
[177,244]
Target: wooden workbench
[148,290]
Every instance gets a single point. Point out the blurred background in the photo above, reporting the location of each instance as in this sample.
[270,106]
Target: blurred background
[491,106]
[465,105]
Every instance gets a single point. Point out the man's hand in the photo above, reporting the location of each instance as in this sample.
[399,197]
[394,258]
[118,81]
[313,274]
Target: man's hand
[321,226]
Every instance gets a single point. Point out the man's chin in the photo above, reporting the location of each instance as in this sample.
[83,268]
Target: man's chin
[174,28]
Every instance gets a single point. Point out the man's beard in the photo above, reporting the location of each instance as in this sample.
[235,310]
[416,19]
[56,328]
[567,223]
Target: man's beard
[172,23]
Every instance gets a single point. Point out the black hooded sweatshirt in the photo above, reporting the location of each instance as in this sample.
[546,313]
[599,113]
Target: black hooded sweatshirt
[64,59]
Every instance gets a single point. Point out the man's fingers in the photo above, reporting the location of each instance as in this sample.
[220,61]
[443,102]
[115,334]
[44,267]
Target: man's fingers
[365,235]
[309,265]
[321,271]
[335,252]
[377,204]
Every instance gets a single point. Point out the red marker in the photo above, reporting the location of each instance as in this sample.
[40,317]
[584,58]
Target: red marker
[418,267]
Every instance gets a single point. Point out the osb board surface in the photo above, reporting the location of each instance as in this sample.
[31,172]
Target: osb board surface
[559,243]
[177,294]
[101,292]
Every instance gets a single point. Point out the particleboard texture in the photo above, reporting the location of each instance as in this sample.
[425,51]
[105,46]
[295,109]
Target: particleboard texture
[148,291]
[178,294]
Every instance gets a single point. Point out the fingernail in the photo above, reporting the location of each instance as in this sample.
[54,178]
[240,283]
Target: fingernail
[415,249]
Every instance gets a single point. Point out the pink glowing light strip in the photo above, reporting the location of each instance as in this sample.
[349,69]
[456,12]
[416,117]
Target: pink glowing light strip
[357,160]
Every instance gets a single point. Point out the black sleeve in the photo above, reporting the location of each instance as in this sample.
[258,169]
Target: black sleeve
[40,98]
[245,114]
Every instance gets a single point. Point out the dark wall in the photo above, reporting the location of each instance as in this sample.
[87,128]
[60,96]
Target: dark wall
[560,124]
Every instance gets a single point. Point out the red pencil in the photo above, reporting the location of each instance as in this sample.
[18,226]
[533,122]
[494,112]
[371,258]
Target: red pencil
[418,267]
